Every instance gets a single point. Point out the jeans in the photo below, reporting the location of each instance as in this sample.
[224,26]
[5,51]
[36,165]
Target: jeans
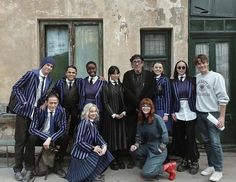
[211,138]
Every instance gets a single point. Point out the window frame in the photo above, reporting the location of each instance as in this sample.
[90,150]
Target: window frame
[71,24]
[164,59]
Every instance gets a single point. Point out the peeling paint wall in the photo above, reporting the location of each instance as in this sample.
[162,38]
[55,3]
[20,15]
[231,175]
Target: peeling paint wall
[122,21]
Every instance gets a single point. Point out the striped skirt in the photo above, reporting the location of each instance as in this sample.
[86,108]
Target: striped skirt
[86,170]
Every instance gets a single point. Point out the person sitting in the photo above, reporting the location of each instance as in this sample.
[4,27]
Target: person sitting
[149,151]
[47,127]
[89,156]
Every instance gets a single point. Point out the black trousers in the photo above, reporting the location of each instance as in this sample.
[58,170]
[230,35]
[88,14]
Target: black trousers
[131,124]
[184,140]
[21,137]
[72,117]
[30,150]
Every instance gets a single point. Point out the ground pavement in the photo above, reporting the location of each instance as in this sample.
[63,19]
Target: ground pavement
[133,175]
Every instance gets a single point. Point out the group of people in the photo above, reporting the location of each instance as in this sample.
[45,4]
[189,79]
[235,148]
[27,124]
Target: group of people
[106,118]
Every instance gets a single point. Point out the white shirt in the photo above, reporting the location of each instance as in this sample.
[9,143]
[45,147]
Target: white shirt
[38,92]
[185,114]
[68,82]
[94,79]
[46,125]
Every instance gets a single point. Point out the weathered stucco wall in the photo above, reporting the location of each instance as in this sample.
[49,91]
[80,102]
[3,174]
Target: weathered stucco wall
[122,20]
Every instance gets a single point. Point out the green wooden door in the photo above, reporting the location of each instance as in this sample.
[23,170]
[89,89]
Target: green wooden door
[220,51]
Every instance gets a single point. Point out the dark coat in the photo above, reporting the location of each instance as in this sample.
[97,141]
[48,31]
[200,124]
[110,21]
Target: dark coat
[131,100]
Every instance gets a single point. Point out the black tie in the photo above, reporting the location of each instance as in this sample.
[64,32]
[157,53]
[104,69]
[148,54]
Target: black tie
[51,129]
[115,83]
[91,80]
[70,85]
[42,86]
[181,78]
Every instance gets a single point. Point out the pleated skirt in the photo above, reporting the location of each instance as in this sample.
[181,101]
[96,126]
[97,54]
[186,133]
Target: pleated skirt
[86,170]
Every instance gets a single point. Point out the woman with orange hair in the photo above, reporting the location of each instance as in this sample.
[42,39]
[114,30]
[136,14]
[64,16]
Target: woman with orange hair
[149,151]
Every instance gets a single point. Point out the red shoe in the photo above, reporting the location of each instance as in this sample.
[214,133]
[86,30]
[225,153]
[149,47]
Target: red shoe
[171,169]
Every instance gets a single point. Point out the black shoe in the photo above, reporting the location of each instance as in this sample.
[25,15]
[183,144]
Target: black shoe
[183,166]
[114,165]
[59,170]
[130,164]
[193,168]
[27,176]
[121,164]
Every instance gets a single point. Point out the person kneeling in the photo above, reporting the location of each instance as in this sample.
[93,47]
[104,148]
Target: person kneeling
[149,152]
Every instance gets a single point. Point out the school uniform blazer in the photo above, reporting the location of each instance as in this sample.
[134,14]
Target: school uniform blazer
[131,101]
[98,96]
[25,90]
[87,137]
[39,119]
[58,88]
[191,90]
[162,100]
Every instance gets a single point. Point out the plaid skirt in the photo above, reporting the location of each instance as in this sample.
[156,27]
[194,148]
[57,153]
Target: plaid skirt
[86,170]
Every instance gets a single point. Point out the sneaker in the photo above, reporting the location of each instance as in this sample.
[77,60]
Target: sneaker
[208,171]
[193,168]
[183,166]
[216,176]
[18,176]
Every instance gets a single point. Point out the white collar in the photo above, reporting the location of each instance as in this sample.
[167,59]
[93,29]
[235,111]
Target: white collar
[158,76]
[68,81]
[41,74]
[53,112]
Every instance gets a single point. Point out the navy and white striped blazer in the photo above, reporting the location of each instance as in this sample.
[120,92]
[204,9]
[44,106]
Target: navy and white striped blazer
[191,92]
[25,90]
[40,117]
[87,137]
[97,97]
[162,94]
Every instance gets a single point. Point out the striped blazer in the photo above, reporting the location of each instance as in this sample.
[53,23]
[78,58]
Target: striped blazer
[39,119]
[25,90]
[191,90]
[162,94]
[97,97]
[87,137]
[58,88]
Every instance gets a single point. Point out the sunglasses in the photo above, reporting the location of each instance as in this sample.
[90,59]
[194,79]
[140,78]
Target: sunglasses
[181,67]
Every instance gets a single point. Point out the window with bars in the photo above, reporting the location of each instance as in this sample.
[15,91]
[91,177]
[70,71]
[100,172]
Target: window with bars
[155,47]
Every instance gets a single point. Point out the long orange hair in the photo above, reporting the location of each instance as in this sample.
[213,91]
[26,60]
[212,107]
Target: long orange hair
[141,116]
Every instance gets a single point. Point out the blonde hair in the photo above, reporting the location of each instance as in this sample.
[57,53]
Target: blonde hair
[86,110]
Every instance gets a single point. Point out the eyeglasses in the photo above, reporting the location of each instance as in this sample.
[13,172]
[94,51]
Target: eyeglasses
[137,61]
[181,67]
[146,107]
